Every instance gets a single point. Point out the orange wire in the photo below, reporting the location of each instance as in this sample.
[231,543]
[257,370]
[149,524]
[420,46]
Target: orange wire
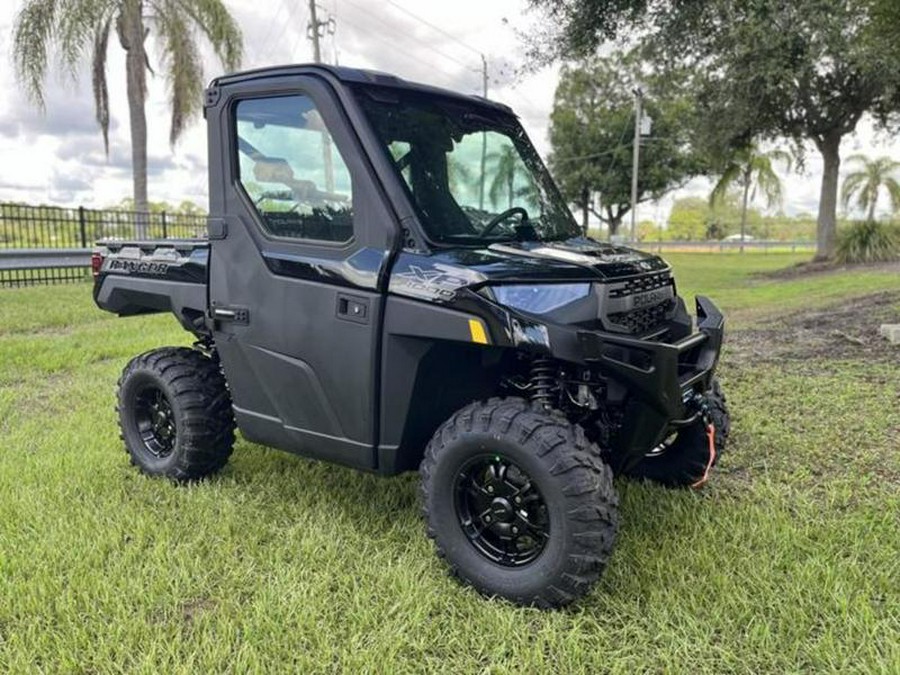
[711,437]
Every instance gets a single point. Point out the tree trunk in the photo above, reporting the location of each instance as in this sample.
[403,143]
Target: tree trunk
[132,36]
[585,205]
[872,202]
[744,203]
[614,223]
[826,234]
[481,177]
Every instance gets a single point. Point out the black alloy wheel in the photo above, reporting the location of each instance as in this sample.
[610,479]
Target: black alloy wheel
[175,413]
[155,421]
[519,503]
[501,511]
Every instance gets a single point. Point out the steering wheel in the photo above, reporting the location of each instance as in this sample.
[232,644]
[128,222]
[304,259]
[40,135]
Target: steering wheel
[500,217]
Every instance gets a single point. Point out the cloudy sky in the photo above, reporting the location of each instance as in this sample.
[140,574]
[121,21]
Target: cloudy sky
[57,157]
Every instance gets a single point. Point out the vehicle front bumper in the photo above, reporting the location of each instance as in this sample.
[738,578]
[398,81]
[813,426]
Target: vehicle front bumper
[664,380]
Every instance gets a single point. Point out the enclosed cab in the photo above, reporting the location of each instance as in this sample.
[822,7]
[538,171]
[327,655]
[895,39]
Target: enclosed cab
[392,281]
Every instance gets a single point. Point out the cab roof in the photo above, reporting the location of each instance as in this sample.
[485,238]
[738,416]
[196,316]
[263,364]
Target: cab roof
[352,76]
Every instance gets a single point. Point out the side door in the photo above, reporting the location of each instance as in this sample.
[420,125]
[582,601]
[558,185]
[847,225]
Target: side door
[299,236]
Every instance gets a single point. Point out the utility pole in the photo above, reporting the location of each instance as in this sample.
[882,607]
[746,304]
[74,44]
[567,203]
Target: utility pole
[484,92]
[314,30]
[636,156]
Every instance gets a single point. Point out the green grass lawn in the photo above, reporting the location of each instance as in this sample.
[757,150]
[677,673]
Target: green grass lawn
[788,562]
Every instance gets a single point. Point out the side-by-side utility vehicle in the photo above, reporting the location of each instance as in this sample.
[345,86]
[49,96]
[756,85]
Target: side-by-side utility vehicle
[391,280]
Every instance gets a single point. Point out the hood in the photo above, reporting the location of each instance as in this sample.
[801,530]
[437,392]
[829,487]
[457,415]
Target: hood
[604,260]
[437,275]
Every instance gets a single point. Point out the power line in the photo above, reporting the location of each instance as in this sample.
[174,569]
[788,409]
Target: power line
[300,37]
[267,55]
[334,43]
[419,40]
[433,27]
[369,34]
[593,155]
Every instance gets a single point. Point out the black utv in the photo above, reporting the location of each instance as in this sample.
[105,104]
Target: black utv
[392,281]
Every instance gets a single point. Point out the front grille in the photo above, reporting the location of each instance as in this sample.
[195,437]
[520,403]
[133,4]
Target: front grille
[639,321]
[641,285]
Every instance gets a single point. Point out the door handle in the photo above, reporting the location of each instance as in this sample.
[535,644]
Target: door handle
[234,314]
[352,308]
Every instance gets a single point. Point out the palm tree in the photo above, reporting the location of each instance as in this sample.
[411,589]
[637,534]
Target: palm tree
[751,170]
[866,183]
[505,171]
[77,27]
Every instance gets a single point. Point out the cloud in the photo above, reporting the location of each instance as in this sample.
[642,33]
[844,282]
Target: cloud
[88,149]
[70,183]
[18,185]
[59,155]
[69,111]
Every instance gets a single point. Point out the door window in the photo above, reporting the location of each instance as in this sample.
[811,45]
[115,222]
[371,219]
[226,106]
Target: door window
[292,171]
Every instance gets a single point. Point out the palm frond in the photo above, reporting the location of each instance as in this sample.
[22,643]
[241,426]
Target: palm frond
[182,64]
[766,179]
[730,176]
[893,188]
[458,174]
[863,196]
[32,36]
[505,169]
[863,186]
[778,155]
[219,27]
[858,158]
[98,80]
[852,183]
[76,25]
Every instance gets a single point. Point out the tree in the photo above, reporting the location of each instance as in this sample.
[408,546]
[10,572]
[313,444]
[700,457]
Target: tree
[805,69]
[592,131]
[76,27]
[751,171]
[694,219]
[689,219]
[506,167]
[866,184]
[647,230]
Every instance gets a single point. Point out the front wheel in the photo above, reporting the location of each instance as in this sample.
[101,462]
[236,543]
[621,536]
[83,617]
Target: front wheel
[686,458]
[519,503]
[175,414]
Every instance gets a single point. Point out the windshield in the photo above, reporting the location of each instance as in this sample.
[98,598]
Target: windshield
[471,171]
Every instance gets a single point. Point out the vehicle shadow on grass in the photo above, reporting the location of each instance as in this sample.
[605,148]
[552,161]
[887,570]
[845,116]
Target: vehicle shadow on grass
[301,484]
[380,508]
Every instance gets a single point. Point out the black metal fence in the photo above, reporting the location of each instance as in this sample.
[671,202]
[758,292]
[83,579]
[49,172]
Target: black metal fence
[28,231]
[23,226]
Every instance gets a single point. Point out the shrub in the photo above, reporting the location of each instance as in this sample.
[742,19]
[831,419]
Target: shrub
[869,241]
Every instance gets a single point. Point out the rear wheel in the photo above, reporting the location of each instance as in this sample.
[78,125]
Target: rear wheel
[519,503]
[686,458]
[175,414]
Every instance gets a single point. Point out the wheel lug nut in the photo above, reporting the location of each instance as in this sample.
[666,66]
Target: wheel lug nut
[487,519]
[491,489]
[518,500]
[515,530]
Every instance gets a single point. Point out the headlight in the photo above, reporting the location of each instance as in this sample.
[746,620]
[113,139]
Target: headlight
[539,299]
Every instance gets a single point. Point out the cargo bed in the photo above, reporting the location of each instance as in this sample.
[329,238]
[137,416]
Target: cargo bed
[143,277]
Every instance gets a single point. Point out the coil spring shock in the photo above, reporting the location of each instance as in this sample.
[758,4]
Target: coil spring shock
[543,376]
